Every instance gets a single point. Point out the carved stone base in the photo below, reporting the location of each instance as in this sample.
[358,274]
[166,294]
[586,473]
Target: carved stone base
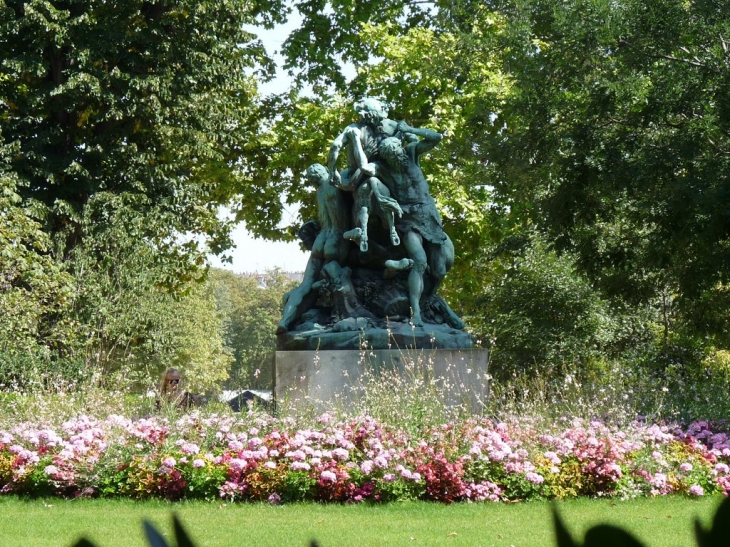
[357,333]
[316,379]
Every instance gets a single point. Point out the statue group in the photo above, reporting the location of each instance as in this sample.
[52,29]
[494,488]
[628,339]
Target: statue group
[378,251]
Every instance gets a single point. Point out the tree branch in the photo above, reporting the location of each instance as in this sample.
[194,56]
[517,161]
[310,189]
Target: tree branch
[696,62]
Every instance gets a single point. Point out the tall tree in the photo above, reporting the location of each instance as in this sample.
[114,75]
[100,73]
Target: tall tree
[252,309]
[151,101]
[617,132]
[35,294]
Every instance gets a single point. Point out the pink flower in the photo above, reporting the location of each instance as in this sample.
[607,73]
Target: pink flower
[721,469]
[328,476]
[381,462]
[300,466]
[270,465]
[237,464]
[340,454]
[254,442]
[198,463]
[235,445]
[534,478]
[50,470]
[686,467]
[189,449]
[366,467]
[659,480]
[696,490]
[169,462]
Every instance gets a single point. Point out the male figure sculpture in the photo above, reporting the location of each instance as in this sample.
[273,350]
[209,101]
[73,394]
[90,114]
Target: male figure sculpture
[329,246]
[362,140]
[420,226]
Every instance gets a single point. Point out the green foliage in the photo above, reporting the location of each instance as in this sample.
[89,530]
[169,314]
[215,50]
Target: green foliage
[35,293]
[616,126]
[540,313]
[331,32]
[251,314]
[137,326]
[35,369]
[122,131]
[146,101]
[298,486]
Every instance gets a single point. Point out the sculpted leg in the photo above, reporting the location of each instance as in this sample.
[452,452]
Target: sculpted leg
[387,206]
[414,247]
[302,298]
[392,267]
[440,260]
[362,207]
[362,219]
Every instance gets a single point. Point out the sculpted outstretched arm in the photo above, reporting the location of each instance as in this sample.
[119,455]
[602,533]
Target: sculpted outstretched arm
[429,138]
[337,145]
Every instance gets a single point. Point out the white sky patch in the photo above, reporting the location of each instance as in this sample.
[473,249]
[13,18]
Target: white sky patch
[255,254]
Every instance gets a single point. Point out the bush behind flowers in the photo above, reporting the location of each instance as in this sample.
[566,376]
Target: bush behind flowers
[254,456]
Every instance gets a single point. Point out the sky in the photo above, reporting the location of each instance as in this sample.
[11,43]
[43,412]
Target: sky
[260,255]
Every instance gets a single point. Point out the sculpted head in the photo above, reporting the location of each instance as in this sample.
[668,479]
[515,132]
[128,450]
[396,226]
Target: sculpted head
[317,174]
[391,150]
[371,110]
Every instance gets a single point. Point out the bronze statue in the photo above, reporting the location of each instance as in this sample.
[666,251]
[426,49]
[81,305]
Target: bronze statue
[386,282]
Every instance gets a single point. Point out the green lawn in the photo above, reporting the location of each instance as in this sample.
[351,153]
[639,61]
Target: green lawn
[660,522]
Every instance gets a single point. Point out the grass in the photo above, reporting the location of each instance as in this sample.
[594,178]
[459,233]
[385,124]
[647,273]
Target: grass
[665,522]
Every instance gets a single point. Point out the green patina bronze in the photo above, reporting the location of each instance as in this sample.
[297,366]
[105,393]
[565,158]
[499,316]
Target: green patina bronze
[379,251]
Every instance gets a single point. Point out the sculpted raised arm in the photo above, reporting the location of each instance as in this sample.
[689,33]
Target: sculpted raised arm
[353,135]
[429,138]
[337,145]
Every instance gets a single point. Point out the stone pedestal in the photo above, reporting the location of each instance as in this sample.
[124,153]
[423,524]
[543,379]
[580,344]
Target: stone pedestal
[319,378]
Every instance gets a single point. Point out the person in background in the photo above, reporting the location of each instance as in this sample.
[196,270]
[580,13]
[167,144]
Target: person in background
[171,392]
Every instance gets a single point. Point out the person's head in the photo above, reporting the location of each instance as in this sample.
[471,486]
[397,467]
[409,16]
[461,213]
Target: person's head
[317,174]
[170,381]
[391,150]
[371,111]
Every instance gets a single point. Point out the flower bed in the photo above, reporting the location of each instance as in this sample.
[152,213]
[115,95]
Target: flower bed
[257,457]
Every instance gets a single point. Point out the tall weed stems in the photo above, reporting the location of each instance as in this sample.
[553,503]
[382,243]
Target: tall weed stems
[612,392]
[409,398]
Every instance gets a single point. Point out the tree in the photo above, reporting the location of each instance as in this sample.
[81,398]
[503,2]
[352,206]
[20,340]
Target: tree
[541,315]
[35,294]
[252,312]
[151,102]
[135,326]
[617,133]
[124,128]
